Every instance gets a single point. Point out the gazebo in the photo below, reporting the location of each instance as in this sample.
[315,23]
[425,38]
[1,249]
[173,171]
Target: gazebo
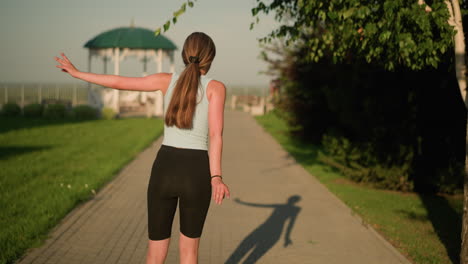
[118,43]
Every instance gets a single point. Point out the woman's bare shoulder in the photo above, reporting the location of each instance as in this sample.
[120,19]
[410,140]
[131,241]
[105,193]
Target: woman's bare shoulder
[161,76]
[215,87]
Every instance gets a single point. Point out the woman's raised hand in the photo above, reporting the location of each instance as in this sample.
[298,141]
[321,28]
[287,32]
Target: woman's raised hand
[66,65]
[219,189]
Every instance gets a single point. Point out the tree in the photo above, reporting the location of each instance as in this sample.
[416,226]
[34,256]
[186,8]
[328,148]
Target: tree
[393,33]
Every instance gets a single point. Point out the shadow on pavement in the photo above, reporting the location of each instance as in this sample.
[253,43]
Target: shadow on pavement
[265,236]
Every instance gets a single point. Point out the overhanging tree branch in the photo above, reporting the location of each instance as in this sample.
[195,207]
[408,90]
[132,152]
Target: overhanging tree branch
[175,15]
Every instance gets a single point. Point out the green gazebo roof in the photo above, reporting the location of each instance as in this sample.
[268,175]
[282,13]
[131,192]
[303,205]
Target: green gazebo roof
[130,37]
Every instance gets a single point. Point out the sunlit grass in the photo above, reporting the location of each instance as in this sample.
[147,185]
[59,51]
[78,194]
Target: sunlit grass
[48,167]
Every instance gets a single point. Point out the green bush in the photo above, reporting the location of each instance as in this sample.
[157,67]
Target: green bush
[11,109]
[359,163]
[386,127]
[108,113]
[84,112]
[55,111]
[33,110]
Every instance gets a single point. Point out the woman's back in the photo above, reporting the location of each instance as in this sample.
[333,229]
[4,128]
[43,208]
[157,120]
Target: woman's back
[197,136]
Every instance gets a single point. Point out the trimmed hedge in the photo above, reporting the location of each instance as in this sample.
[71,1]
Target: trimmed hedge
[33,110]
[84,112]
[11,109]
[55,111]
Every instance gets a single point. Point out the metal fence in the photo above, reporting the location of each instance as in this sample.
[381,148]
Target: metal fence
[27,93]
[238,97]
[253,99]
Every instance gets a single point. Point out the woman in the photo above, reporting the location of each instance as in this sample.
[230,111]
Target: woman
[185,168]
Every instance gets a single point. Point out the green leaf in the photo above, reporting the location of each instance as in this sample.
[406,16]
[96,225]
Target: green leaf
[332,15]
[348,13]
[254,11]
[370,29]
[167,25]
[174,20]
[385,36]
[180,11]
[190,3]
[322,15]
[157,32]
[251,25]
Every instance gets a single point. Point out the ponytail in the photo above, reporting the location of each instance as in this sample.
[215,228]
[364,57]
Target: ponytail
[198,53]
[183,102]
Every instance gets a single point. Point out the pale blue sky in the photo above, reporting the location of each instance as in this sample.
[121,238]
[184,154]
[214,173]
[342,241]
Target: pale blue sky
[33,32]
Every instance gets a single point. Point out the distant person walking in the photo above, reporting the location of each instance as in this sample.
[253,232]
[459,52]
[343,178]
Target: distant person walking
[185,169]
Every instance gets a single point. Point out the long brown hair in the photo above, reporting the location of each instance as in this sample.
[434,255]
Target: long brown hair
[198,53]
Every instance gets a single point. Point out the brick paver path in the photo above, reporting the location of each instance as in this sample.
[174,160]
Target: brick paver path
[112,228]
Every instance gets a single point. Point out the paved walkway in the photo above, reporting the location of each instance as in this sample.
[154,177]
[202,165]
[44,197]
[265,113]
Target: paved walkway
[112,228]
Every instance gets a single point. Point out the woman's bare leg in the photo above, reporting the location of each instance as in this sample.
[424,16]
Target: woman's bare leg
[157,251]
[188,249]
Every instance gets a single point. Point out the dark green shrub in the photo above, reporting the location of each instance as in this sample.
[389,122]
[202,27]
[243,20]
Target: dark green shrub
[359,163]
[84,112]
[11,109]
[33,110]
[399,129]
[55,111]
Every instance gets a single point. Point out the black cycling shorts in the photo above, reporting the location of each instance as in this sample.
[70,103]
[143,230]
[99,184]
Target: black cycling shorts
[178,174]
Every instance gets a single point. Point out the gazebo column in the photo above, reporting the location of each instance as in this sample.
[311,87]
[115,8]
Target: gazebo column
[159,111]
[172,69]
[115,101]
[143,97]
[104,61]
[89,84]
[105,58]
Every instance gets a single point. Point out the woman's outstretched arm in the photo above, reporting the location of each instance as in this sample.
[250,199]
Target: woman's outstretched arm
[148,83]
[216,124]
[237,200]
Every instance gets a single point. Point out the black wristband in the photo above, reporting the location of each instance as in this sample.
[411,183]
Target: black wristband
[217,176]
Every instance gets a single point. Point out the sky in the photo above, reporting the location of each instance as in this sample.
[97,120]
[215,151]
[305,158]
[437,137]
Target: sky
[33,32]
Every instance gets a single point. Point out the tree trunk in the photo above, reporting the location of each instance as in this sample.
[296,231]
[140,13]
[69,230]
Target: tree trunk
[460,63]
[460,68]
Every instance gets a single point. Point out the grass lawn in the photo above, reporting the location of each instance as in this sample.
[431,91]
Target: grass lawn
[426,229]
[48,167]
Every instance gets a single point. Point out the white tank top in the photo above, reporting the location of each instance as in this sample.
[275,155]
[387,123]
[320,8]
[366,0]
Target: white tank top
[197,136]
